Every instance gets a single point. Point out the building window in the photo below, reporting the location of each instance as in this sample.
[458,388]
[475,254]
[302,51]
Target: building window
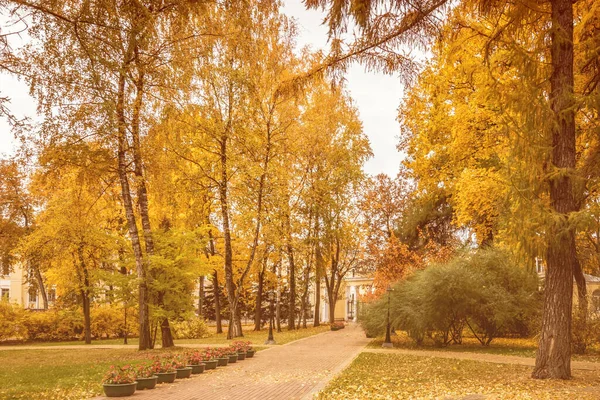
[52,295]
[5,294]
[32,297]
[596,300]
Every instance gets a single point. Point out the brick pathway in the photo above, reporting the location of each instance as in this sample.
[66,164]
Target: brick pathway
[296,370]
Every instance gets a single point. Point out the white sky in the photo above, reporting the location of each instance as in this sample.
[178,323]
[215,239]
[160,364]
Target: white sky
[376,96]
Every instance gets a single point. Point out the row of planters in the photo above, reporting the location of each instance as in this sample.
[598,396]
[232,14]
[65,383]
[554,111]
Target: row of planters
[124,381]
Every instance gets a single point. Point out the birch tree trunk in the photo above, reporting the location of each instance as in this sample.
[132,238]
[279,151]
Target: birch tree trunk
[145,341]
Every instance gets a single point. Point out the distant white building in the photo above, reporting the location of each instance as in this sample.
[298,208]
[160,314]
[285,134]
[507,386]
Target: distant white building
[15,289]
[346,306]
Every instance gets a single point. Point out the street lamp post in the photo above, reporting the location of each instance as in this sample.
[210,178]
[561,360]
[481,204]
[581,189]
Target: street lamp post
[388,340]
[270,339]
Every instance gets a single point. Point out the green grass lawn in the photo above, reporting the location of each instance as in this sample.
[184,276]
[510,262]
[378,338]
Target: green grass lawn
[395,376]
[256,338]
[60,373]
[53,373]
[502,346]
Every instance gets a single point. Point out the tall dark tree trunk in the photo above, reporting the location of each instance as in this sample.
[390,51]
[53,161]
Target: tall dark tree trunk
[331,306]
[145,341]
[318,272]
[292,282]
[85,296]
[278,311]
[582,298]
[167,336]
[40,284]
[306,284]
[259,299]
[201,297]
[217,303]
[87,322]
[553,359]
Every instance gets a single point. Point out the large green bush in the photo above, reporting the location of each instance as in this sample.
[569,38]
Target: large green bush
[11,326]
[483,290]
[109,321]
[193,328]
[63,324]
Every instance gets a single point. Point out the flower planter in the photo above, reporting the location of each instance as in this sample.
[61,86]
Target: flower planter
[212,364]
[119,389]
[197,368]
[233,358]
[146,383]
[250,354]
[166,377]
[185,372]
[223,361]
[241,356]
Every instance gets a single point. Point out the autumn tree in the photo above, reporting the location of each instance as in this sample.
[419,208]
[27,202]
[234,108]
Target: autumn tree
[555,39]
[96,64]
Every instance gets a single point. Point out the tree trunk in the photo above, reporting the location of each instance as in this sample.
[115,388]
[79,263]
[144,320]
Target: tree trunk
[318,270]
[553,359]
[142,192]
[331,305]
[258,307]
[144,319]
[582,298]
[305,294]
[167,336]
[41,286]
[229,283]
[278,312]
[87,325]
[85,296]
[292,276]
[125,334]
[201,297]
[217,303]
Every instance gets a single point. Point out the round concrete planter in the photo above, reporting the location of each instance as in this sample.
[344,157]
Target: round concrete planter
[166,377]
[119,389]
[212,364]
[146,383]
[250,354]
[183,373]
[197,368]
[233,358]
[223,361]
[241,356]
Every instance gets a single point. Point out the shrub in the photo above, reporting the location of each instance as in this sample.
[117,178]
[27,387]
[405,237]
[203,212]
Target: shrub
[483,290]
[11,316]
[107,322]
[194,328]
[585,331]
[53,325]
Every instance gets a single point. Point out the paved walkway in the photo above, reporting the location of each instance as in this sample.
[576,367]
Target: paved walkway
[296,370]
[109,346]
[484,357]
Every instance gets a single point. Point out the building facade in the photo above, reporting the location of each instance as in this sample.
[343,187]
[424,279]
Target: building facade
[14,287]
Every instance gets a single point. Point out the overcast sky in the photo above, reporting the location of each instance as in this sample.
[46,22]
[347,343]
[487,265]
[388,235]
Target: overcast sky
[376,96]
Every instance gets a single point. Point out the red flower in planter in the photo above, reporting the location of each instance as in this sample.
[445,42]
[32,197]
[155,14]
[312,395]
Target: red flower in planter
[119,375]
